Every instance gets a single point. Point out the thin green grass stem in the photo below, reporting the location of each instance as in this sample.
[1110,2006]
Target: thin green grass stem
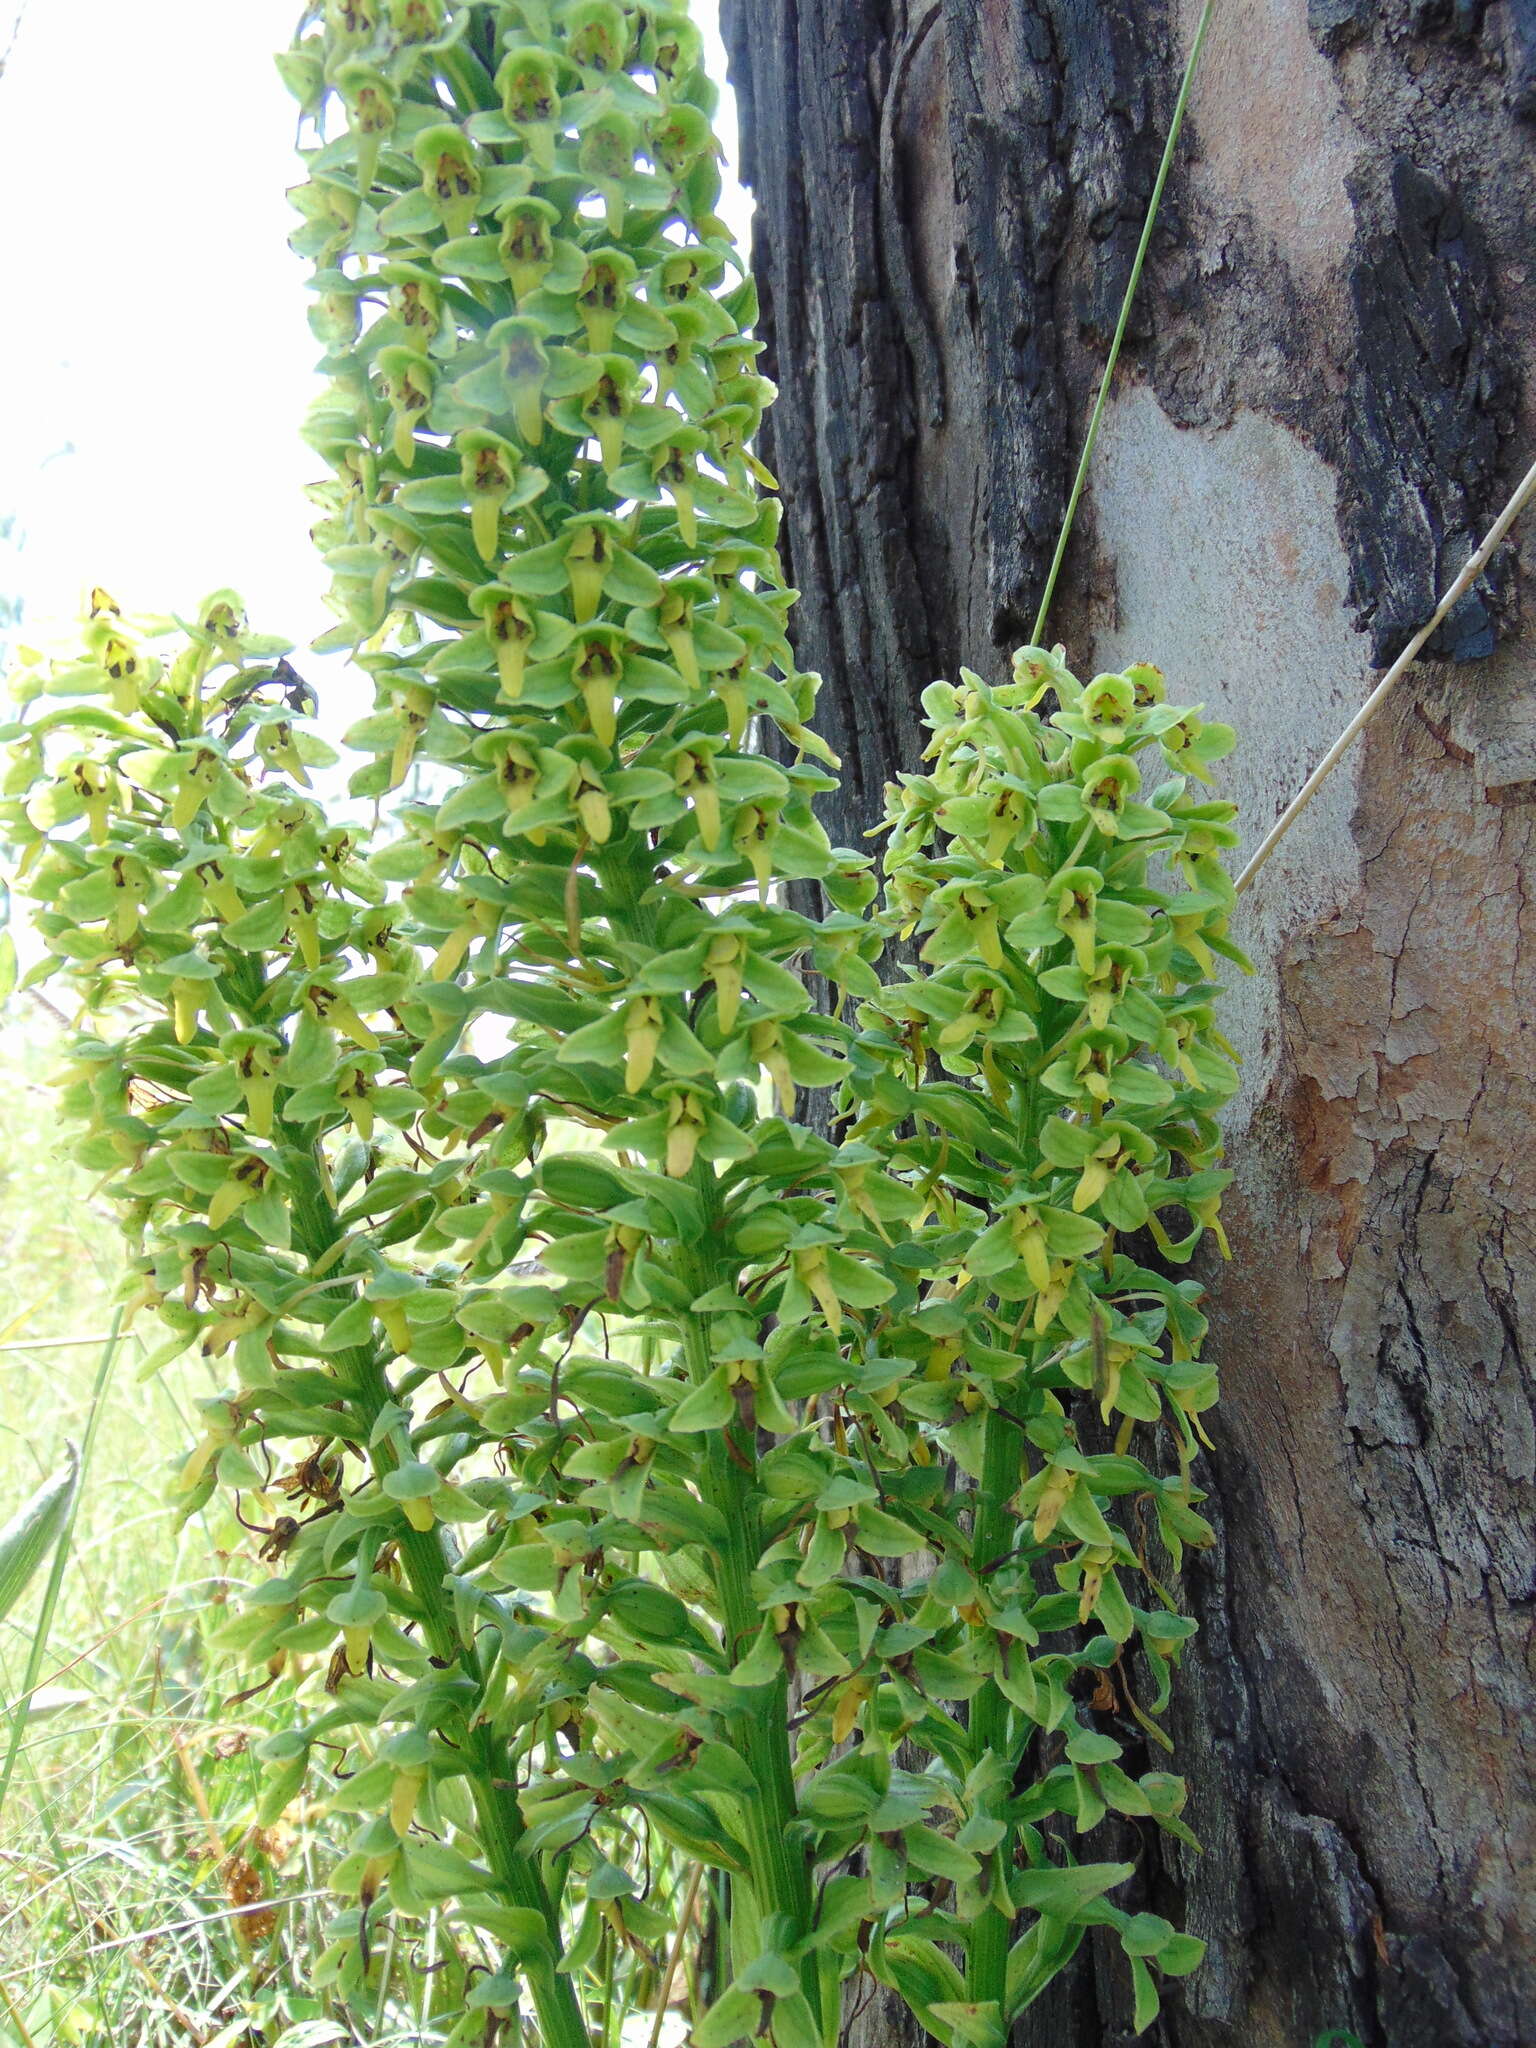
[1126,303]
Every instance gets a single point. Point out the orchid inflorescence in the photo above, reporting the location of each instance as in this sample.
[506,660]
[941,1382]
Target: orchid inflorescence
[703,1516]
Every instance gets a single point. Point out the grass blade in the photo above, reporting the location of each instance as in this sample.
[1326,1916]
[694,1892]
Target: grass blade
[40,1634]
[27,1538]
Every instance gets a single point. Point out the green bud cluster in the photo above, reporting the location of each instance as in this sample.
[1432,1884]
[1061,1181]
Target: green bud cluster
[682,1489]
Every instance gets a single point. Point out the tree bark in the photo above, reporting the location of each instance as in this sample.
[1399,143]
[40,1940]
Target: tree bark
[1327,393]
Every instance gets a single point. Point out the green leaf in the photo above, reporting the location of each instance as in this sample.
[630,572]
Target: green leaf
[1065,1144]
[582,1181]
[835,1798]
[649,1611]
[857,1285]
[1038,1957]
[31,1533]
[1147,2003]
[1063,1893]
[733,2017]
[261,928]
[602,1042]
[1089,1747]
[709,1406]
[693,1828]
[763,1663]
[882,1535]
[1180,1954]
[975,2024]
[1146,1934]
[922,1973]
[794,2025]
[439,1873]
[359,1606]
[937,1855]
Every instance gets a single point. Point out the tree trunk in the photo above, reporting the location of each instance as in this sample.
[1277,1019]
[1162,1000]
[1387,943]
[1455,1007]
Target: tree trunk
[1319,410]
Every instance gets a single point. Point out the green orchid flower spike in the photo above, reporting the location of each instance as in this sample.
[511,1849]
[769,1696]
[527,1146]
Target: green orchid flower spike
[715,1528]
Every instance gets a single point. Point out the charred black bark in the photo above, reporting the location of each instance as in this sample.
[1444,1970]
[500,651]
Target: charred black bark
[1520,95]
[903,161]
[1431,401]
[1335,24]
[810,106]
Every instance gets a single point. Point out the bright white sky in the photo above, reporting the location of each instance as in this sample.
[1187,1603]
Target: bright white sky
[155,360]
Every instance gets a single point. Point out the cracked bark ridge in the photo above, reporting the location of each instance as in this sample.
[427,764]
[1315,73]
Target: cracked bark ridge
[1469,21]
[1334,24]
[904,159]
[1048,129]
[1362,1698]
[1431,400]
[1520,60]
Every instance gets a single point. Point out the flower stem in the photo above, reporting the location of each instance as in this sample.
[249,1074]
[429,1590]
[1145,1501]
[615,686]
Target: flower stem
[780,1877]
[992,1539]
[425,1557]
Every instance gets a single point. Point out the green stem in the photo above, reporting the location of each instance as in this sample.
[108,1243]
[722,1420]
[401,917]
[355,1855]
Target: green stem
[501,1833]
[780,1876]
[425,1556]
[1153,204]
[992,1538]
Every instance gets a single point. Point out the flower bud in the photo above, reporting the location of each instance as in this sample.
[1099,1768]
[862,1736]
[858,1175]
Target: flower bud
[608,405]
[723,962]
[685,1128]
[642,1036]
[753,832]
[246,1178]
[596,670]
[370,106]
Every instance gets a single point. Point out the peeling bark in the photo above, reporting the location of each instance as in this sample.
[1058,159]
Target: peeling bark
[1328,391]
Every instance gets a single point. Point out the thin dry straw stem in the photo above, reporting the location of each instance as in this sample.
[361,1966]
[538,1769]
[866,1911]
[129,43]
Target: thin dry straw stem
[1121,324]
[56,1343]
[685,1918]
[1368,710]
[197,1922]
[14,2017]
